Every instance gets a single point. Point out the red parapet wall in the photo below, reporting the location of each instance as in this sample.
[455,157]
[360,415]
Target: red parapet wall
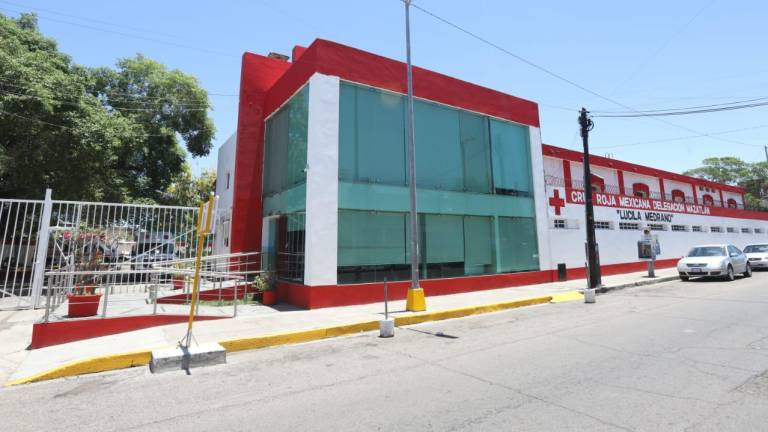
[60,332]
[314,297]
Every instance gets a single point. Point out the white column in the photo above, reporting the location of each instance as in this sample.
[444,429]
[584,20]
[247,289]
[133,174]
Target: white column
[540,199]
[321,238]
[38,275]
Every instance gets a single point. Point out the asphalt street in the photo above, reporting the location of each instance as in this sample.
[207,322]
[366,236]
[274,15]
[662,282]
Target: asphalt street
[669,357]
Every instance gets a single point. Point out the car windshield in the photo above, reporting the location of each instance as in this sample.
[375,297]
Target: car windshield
[707,251]
[763,248]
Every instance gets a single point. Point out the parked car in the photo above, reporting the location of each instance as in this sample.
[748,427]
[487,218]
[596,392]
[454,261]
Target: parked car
[719,260]
[150,249]
[757,254]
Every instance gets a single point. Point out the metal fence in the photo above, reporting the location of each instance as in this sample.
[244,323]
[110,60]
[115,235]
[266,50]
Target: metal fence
[163,288]
[20,222]
[80,238]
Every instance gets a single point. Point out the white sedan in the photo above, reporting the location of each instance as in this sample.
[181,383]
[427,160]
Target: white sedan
[757,254]
[714,260]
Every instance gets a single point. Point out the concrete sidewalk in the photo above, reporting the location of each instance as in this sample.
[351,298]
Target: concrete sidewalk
[17,363]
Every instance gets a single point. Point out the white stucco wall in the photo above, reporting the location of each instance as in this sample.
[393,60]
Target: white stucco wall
[225,182]
[608,174]
[320,250]
[670,185]
[540,197]
[620,246]
[553,167]
[729,195]
[631,178]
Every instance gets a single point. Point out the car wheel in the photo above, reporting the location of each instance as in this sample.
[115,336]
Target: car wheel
[684,278]
[730,276]
[748,271]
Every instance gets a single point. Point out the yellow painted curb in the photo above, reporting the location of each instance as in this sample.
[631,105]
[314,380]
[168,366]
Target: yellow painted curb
[277,339]
[140,358]
[89,365]
[467,311]
[567,296]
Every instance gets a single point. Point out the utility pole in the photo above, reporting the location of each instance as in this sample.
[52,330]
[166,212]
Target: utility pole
[415,298]
[593,258]
[766,153]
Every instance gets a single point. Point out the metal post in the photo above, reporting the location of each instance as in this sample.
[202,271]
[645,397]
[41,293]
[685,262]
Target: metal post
[386,300]
[415,299]
[234,311]
[106,296]
[48,299]
[43,235]
[593,261]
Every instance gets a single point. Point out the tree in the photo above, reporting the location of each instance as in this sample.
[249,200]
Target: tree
[166,104]
[726,170]
[753,177]
[188,190]
[92,134]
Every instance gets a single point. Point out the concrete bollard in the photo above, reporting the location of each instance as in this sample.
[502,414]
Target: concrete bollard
[387,328]
[589,295]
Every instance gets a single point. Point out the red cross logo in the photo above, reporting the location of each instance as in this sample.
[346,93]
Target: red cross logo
[557,202]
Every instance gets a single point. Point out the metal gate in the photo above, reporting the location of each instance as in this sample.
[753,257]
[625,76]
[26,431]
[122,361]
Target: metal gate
[48,235]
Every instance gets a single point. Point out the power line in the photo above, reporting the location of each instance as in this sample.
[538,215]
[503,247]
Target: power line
[662,113]
[116,107]
[71,128]
[737,102]
[730,131]
[555,75]
[132,98]
[35,8]
[160,41]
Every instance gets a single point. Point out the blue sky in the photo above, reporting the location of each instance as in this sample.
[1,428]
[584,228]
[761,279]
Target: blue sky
[647,55]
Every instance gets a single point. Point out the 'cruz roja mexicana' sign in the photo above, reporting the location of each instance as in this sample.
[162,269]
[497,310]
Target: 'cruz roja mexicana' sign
[637,203]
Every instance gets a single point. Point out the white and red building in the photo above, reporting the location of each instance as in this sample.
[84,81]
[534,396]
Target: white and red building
[316,178]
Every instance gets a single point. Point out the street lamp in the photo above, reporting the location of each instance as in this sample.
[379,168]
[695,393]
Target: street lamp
[415,299]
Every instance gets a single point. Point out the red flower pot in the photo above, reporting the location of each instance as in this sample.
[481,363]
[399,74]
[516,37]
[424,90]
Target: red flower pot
[268,298]
[178,282]
[83,305]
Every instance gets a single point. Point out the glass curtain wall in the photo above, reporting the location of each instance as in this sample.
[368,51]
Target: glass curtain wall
[476,212]
[284,187]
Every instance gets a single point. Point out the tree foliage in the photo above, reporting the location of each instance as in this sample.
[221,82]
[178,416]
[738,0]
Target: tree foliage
[110,134]
[753,177]
[191,191]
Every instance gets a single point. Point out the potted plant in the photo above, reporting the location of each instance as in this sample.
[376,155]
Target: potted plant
[178,280]
[265,288]
[83,301]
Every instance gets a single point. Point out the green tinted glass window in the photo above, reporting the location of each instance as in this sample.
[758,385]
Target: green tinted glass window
[371,238]
[297,138]
[475,146]
[518,248]
[511,159]
[478,245]
[275,155]
[285,145]
[371,136]
[444,239]
[439,155]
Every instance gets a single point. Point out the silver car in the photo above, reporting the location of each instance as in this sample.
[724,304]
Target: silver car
[757,254]
[718,260]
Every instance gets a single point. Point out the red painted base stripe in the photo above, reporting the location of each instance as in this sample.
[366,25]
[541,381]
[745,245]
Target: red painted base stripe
[313,297]
[59,332]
